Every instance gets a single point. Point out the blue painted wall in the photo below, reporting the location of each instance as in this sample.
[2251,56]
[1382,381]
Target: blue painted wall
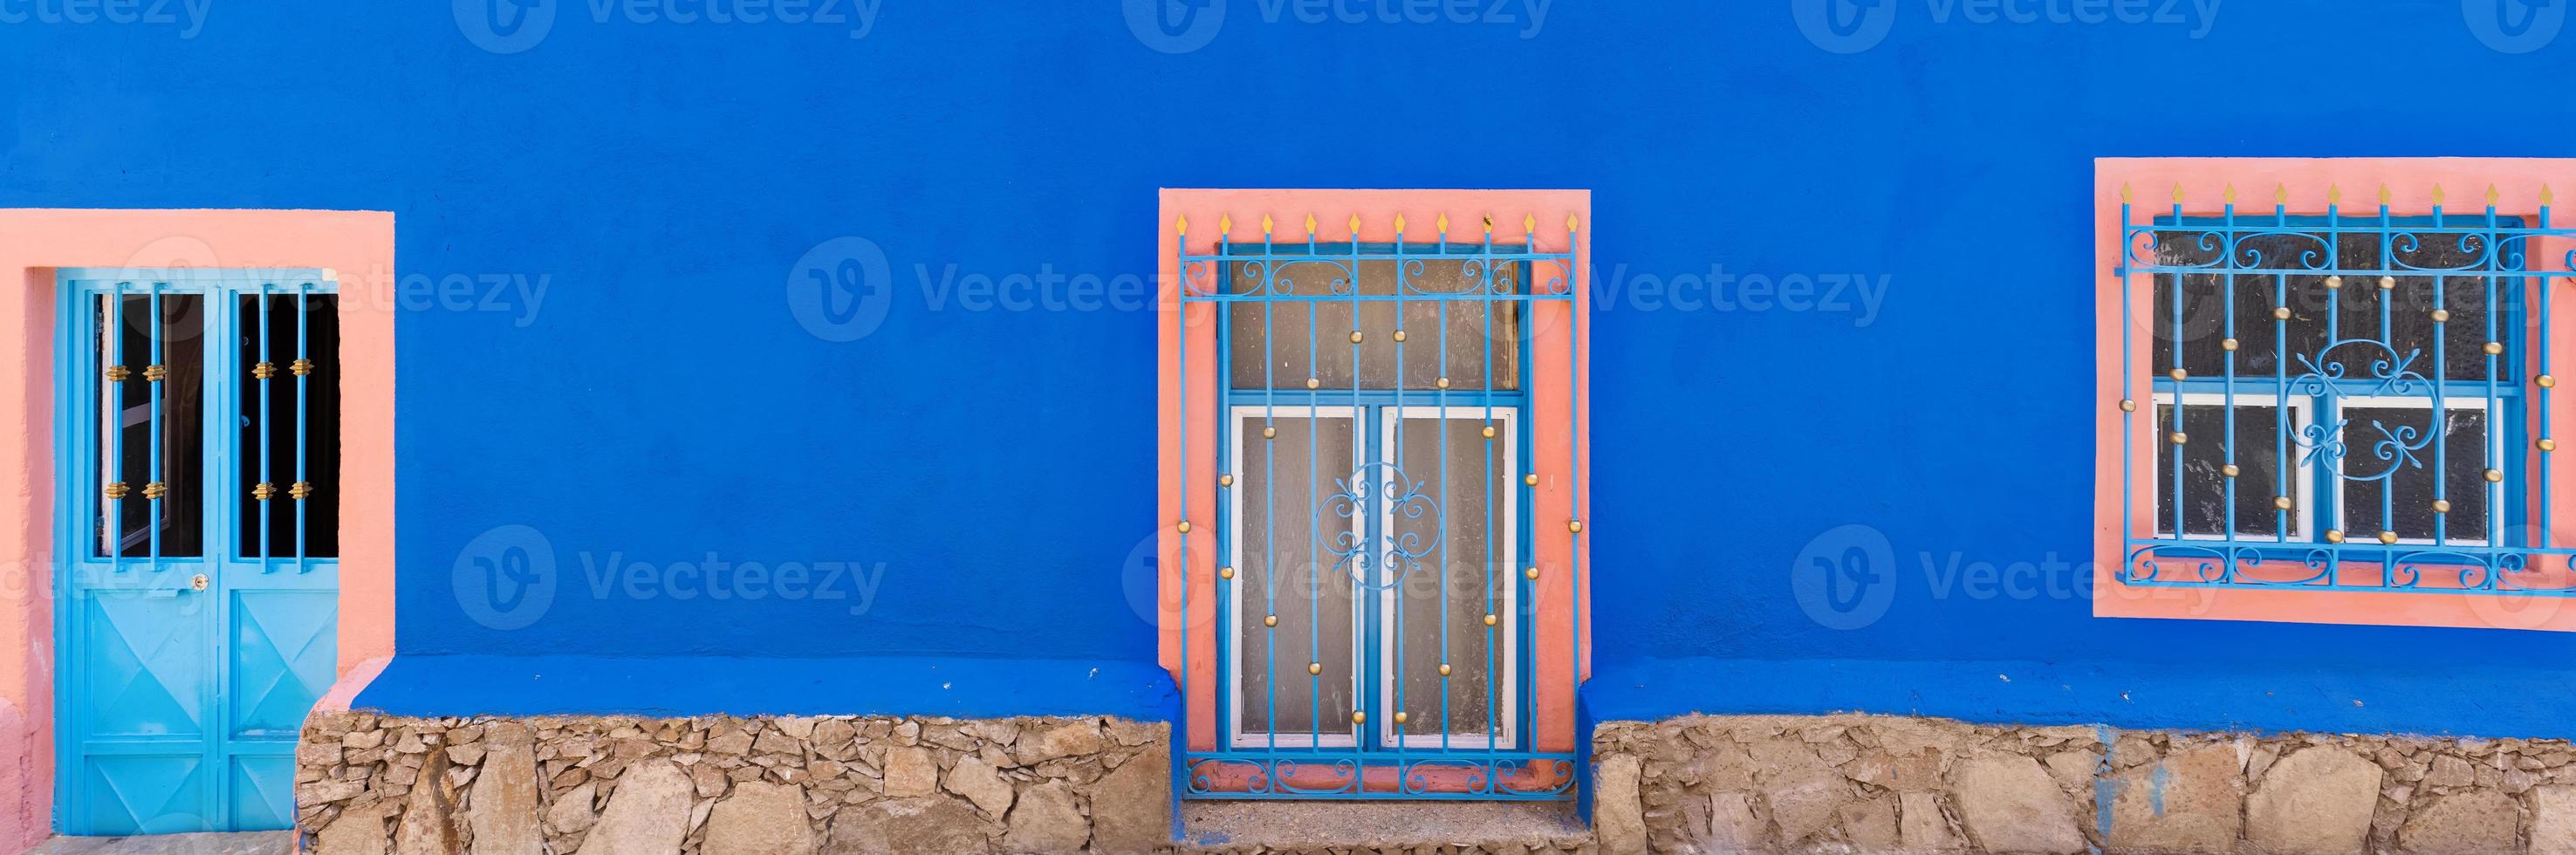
[661,402]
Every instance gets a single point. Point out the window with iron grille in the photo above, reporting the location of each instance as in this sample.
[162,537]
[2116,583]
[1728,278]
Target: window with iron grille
[1391,418]
[2336,400]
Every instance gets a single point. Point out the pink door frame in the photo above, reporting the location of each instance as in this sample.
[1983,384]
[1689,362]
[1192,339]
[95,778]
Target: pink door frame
[359,247]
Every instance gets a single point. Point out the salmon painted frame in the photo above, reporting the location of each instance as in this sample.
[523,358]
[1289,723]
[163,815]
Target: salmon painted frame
[1561,496]
[2205,185]
[358,246]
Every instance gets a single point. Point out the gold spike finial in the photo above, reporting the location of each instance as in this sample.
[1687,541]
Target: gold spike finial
[1489,224]
[1310,225]
[2334,194]
[2231,193]
[1443,222]
[2492,195]
[2177,196]
[1355,224]
[2280,194]
[2437,195]
[2384,195]
[1529,223]
[1181,224]
[1225,224]
[1570,222]
[1265,224]
[1399,224]
[2127,195]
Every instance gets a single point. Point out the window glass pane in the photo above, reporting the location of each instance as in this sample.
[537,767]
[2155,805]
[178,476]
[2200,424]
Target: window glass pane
[2374,441]
[1297,339]
[2320,315]
[131,439]
[2257,455]
[268,425]
[1290,526]
[1451,508]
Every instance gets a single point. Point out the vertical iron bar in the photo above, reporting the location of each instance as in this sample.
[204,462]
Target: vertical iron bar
[2128,386]
[114,416]
[1440,405]
[1397,570]
[2388,339]
[1493,551]
[303,404]
[2227,435]
[152,500]
[2172,448]
[2540,343]
[267,459]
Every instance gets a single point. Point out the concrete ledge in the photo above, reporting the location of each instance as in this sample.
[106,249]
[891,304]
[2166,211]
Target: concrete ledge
[1339,827]
[517,686]
[2176,694]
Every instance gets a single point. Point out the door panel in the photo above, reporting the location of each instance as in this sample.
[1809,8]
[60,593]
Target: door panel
[196,638]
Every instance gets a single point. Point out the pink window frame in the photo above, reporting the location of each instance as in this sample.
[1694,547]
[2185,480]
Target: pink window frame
[1560,499]
[357,246]
[2205,185]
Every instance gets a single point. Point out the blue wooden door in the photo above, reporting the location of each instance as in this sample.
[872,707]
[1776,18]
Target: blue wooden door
[197,619]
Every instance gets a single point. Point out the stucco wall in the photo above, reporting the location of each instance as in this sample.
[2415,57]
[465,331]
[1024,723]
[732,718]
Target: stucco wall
[601,234]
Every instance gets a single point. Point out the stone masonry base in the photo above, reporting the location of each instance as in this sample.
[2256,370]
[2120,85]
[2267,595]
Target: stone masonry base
[715,785]
[1877,784]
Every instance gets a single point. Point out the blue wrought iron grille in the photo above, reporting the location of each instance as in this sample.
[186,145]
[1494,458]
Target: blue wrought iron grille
[2348,401]
[1375,588]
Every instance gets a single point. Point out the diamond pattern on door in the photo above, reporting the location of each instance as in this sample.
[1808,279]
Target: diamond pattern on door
[143,795]
[145,669]
[284,643]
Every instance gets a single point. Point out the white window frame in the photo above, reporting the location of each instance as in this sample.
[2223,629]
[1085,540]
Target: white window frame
[2495,451]
[1237,736]
[2303,504]
[1507,509]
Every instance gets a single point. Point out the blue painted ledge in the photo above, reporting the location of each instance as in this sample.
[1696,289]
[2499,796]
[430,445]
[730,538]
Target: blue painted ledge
[2464,700]
[416,685]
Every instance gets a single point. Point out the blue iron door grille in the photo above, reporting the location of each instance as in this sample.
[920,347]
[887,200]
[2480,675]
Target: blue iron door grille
[2346,402]
[1374,612]
[197,596]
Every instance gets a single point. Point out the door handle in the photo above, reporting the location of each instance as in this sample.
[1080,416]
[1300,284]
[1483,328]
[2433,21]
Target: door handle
[197,582]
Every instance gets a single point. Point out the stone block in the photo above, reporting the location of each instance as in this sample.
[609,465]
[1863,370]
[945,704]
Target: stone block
[2190,801]
[759,819]
[2317,801]
[2469,823]
[648,813]
[2009,804]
